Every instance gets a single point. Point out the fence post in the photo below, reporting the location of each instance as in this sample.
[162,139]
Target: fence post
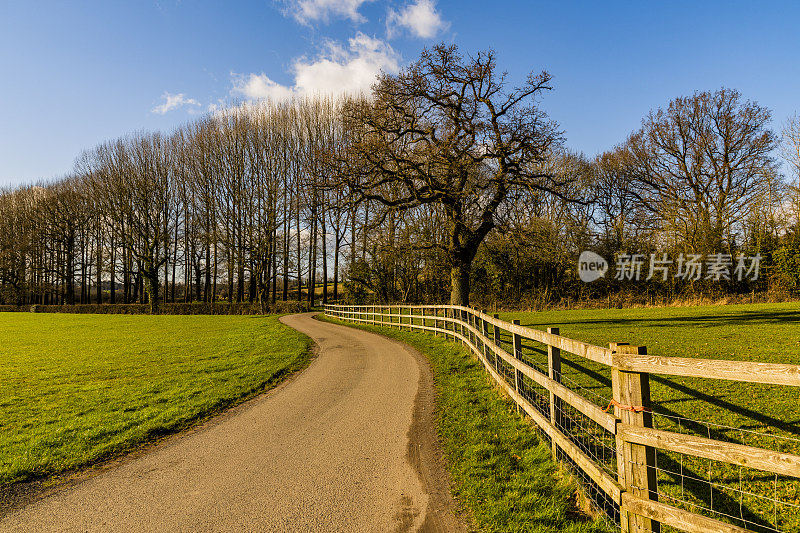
[485,332]
[517,347]
[635,463]
[554,372]
[464,324]
[496,335]
[473,321]
[447,323]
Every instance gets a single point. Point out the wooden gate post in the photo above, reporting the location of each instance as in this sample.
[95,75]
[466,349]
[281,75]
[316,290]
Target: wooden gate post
[635,463]
[554,372]
[517,347]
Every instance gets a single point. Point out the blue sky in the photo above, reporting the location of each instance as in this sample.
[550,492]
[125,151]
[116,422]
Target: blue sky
[75,74]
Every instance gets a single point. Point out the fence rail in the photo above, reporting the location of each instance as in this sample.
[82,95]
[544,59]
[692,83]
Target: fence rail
[615,453]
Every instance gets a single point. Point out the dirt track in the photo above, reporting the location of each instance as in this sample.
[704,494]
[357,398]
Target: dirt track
[347,445]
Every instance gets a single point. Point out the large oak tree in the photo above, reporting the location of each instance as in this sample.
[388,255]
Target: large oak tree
[448,132]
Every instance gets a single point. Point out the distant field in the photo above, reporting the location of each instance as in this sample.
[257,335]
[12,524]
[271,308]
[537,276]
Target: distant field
[78,388]
[762,415]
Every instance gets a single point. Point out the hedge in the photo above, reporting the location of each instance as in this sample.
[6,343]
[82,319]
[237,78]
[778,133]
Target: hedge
[193,308]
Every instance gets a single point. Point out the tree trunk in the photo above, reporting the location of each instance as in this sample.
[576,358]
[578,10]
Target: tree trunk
[336,270]
[99,271]
[459,278]
[285,258]
[113,271]
[152,291]
[324,263]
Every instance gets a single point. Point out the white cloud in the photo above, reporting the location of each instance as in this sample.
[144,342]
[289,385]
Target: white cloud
[337,70]
[173,101]
[259,87]
[307,11]
[352,70]
[420,18]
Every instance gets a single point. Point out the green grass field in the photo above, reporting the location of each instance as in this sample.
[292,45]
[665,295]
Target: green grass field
[76,389]
[762,415]
[501,470]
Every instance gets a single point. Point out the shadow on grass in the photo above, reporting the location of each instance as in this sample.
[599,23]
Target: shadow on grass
[711,498]
[739,318]
[787,426]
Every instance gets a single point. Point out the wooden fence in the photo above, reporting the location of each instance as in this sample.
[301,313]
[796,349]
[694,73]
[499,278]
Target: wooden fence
[629,485]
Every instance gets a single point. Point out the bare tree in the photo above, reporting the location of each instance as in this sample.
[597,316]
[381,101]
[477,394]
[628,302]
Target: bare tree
[701,163]
[133,178]
[790,147]
[446,131]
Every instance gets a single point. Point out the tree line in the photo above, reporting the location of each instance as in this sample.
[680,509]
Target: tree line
[225,208]
[445,180]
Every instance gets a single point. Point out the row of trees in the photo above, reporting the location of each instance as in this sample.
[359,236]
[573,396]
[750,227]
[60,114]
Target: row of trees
[229,207]
[443,180]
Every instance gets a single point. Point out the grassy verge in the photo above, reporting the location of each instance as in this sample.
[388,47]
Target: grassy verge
[76,389]
[501,470]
